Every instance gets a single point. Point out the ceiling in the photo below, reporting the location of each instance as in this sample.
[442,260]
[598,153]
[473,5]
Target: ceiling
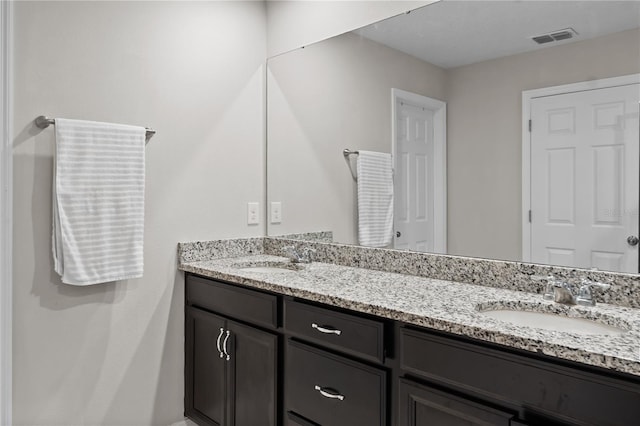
[452,33]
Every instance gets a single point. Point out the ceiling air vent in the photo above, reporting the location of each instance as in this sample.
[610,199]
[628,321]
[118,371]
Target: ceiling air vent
[558,35]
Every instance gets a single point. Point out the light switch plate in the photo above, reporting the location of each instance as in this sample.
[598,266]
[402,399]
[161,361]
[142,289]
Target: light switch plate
[253,216]
[276,212]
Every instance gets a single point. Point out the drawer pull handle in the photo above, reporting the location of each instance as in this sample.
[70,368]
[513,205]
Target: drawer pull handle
[224,345]
[328,394]
[218,342]
[326,330]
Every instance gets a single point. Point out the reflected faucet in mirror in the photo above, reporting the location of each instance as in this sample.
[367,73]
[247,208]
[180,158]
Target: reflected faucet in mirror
[299,254]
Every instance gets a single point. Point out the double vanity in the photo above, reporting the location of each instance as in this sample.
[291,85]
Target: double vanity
[381,337]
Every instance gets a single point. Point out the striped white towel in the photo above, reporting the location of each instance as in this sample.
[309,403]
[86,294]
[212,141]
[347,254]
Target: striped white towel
[375,199]
[98,201]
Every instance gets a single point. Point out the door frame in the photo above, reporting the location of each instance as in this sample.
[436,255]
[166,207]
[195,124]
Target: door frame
[439,109]
[6,210]
[527,97]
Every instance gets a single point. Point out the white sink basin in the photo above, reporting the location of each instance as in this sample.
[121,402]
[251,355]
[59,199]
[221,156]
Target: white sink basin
[554,322]
[269,267]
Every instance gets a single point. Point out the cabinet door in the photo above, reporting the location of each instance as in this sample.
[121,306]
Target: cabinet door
[253,366]
[423,406]
[205,378]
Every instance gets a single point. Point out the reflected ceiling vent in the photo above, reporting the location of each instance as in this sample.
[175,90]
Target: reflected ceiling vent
[559,35]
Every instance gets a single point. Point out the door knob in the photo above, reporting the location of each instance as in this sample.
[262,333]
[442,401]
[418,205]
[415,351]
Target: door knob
[398,234]
[633,240]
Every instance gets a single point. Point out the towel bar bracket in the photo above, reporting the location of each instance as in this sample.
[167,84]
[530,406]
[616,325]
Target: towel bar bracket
[347,152]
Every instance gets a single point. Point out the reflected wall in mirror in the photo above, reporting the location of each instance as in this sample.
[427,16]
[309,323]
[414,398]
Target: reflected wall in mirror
[479,58]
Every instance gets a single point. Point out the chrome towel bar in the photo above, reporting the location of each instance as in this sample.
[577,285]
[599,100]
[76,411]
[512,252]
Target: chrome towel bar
[43,122]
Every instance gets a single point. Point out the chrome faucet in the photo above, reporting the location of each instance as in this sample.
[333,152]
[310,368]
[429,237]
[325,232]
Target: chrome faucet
[585,297]
[562,292]
[302,255]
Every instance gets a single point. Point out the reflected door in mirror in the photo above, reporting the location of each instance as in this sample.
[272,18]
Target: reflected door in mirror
[584,178]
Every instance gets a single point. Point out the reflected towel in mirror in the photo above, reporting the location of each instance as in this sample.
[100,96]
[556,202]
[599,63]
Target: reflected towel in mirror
[375,199]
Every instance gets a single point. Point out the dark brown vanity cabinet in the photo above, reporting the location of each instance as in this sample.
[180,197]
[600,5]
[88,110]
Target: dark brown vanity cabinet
[253,358]
[231,368]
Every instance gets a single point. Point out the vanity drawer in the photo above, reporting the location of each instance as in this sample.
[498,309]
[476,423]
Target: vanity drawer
[293,419]
[360,336]
[331,390]
[226,299]
[544,387]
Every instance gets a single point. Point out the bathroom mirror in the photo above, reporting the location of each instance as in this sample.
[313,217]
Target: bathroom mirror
[464,78]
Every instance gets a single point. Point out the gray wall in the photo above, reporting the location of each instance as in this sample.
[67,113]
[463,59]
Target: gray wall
[484,145]
[112,354]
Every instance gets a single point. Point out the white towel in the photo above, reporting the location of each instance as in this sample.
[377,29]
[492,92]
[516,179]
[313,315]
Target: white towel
[375,199]
[98,201]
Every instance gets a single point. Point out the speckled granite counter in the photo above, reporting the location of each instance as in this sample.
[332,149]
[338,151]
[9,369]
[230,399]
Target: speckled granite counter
[442,305]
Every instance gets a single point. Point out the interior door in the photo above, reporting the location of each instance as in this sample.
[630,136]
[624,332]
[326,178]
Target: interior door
[585,179]
[414,178]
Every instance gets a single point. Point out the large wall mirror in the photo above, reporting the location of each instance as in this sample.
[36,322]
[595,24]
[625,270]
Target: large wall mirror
[448,90]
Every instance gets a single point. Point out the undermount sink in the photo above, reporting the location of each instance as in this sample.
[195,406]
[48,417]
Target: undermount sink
[268,267]
[552,321]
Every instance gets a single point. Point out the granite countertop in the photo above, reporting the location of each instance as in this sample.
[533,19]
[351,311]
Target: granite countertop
[442,305]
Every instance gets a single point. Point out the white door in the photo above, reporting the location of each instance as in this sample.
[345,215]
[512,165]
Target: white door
[585,179]
[413,179]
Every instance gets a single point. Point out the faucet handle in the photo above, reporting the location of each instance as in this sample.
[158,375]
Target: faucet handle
[307,254]
[549,277]
[551,281]
[291,252]
[587,283]
[585,297]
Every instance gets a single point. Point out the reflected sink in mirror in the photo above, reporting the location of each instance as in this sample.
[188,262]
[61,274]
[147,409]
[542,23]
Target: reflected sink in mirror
[268,267]
[554,321]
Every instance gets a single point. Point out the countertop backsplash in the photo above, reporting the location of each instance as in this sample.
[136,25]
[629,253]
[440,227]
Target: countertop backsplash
[624,290]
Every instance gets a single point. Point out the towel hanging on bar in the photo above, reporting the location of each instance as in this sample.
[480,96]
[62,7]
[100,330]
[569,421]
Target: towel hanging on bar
[98,202]
[375,199]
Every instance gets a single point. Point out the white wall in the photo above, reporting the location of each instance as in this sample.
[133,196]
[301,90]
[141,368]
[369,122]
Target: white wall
[112,354]
[296,23]
[321,100]
[484,134]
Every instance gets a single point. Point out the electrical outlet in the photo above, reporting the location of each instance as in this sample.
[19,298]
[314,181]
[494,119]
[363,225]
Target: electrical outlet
[253,216]
[276,212]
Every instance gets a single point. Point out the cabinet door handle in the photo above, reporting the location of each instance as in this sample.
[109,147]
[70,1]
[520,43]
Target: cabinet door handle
[218,342]
[224,345]
[325,330]
[326,394]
